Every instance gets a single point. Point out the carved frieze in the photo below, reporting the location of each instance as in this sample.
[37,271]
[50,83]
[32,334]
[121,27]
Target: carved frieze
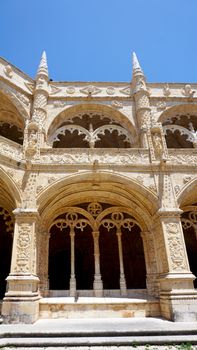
[183,157]
[87,157]
[8,149]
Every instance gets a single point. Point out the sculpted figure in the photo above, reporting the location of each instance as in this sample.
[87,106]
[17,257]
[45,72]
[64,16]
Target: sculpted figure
[157,143]
[32,139]
[187,91]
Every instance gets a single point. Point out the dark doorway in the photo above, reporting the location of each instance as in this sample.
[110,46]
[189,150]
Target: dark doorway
[133,257]
[84,259]
[59,259]
[191,246]
[109,258]
[6,230]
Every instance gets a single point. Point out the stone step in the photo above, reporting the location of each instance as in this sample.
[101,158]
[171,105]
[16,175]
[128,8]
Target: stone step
[100,334]
[92,307]
[131,341]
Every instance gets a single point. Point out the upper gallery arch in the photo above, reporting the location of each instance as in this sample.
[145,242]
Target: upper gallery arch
[91,126]
[180,126]
[11,122]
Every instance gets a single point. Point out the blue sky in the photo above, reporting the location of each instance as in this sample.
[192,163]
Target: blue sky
[92,40]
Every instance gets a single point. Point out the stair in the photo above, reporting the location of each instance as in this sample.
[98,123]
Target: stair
[103,334]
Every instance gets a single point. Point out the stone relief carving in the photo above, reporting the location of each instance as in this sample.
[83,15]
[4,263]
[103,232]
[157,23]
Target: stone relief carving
[24,99]
[187,91]
[30,86]
[70,90]
[126,91]
[168,198]
[8,71]
[187,179]
[23,248]
[177,189]
[90,90]
[187,158]
[54,89]
[10,151]
[161,105]
[166,90]
[157,144]
[110,90]
[59,104]
[84,157]
[176,247]
[190,221]
[117,104]
[52,179]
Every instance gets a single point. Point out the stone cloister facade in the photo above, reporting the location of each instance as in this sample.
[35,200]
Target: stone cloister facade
[98,197]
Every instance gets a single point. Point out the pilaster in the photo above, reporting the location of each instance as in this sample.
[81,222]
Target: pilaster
[21,300]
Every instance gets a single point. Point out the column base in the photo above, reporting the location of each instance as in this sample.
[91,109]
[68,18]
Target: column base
[73,287]
[178,298]
[21,302]
[98,286]
[123,287]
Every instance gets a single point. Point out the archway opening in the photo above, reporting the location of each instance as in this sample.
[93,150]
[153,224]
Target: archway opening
[134,261]
[189,223]
[60,258]
[109,259]
[6,239]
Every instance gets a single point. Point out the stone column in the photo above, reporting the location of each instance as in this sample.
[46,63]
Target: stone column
[21,304]
[43,260]
[123,286]
[178,298]
[72,273]
[150,260]
[98,284]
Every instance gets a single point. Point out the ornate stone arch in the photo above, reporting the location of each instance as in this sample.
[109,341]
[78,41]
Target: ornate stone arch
[12,121]
[99,119]
[120,193]
[125,191]
[12,196]
[188,194]
[15,99]
[180,126]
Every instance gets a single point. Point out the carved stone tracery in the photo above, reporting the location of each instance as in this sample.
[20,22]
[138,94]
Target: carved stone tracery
[95,216]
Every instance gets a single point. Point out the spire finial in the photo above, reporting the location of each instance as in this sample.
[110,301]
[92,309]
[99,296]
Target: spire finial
[136,65]
[43,67]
